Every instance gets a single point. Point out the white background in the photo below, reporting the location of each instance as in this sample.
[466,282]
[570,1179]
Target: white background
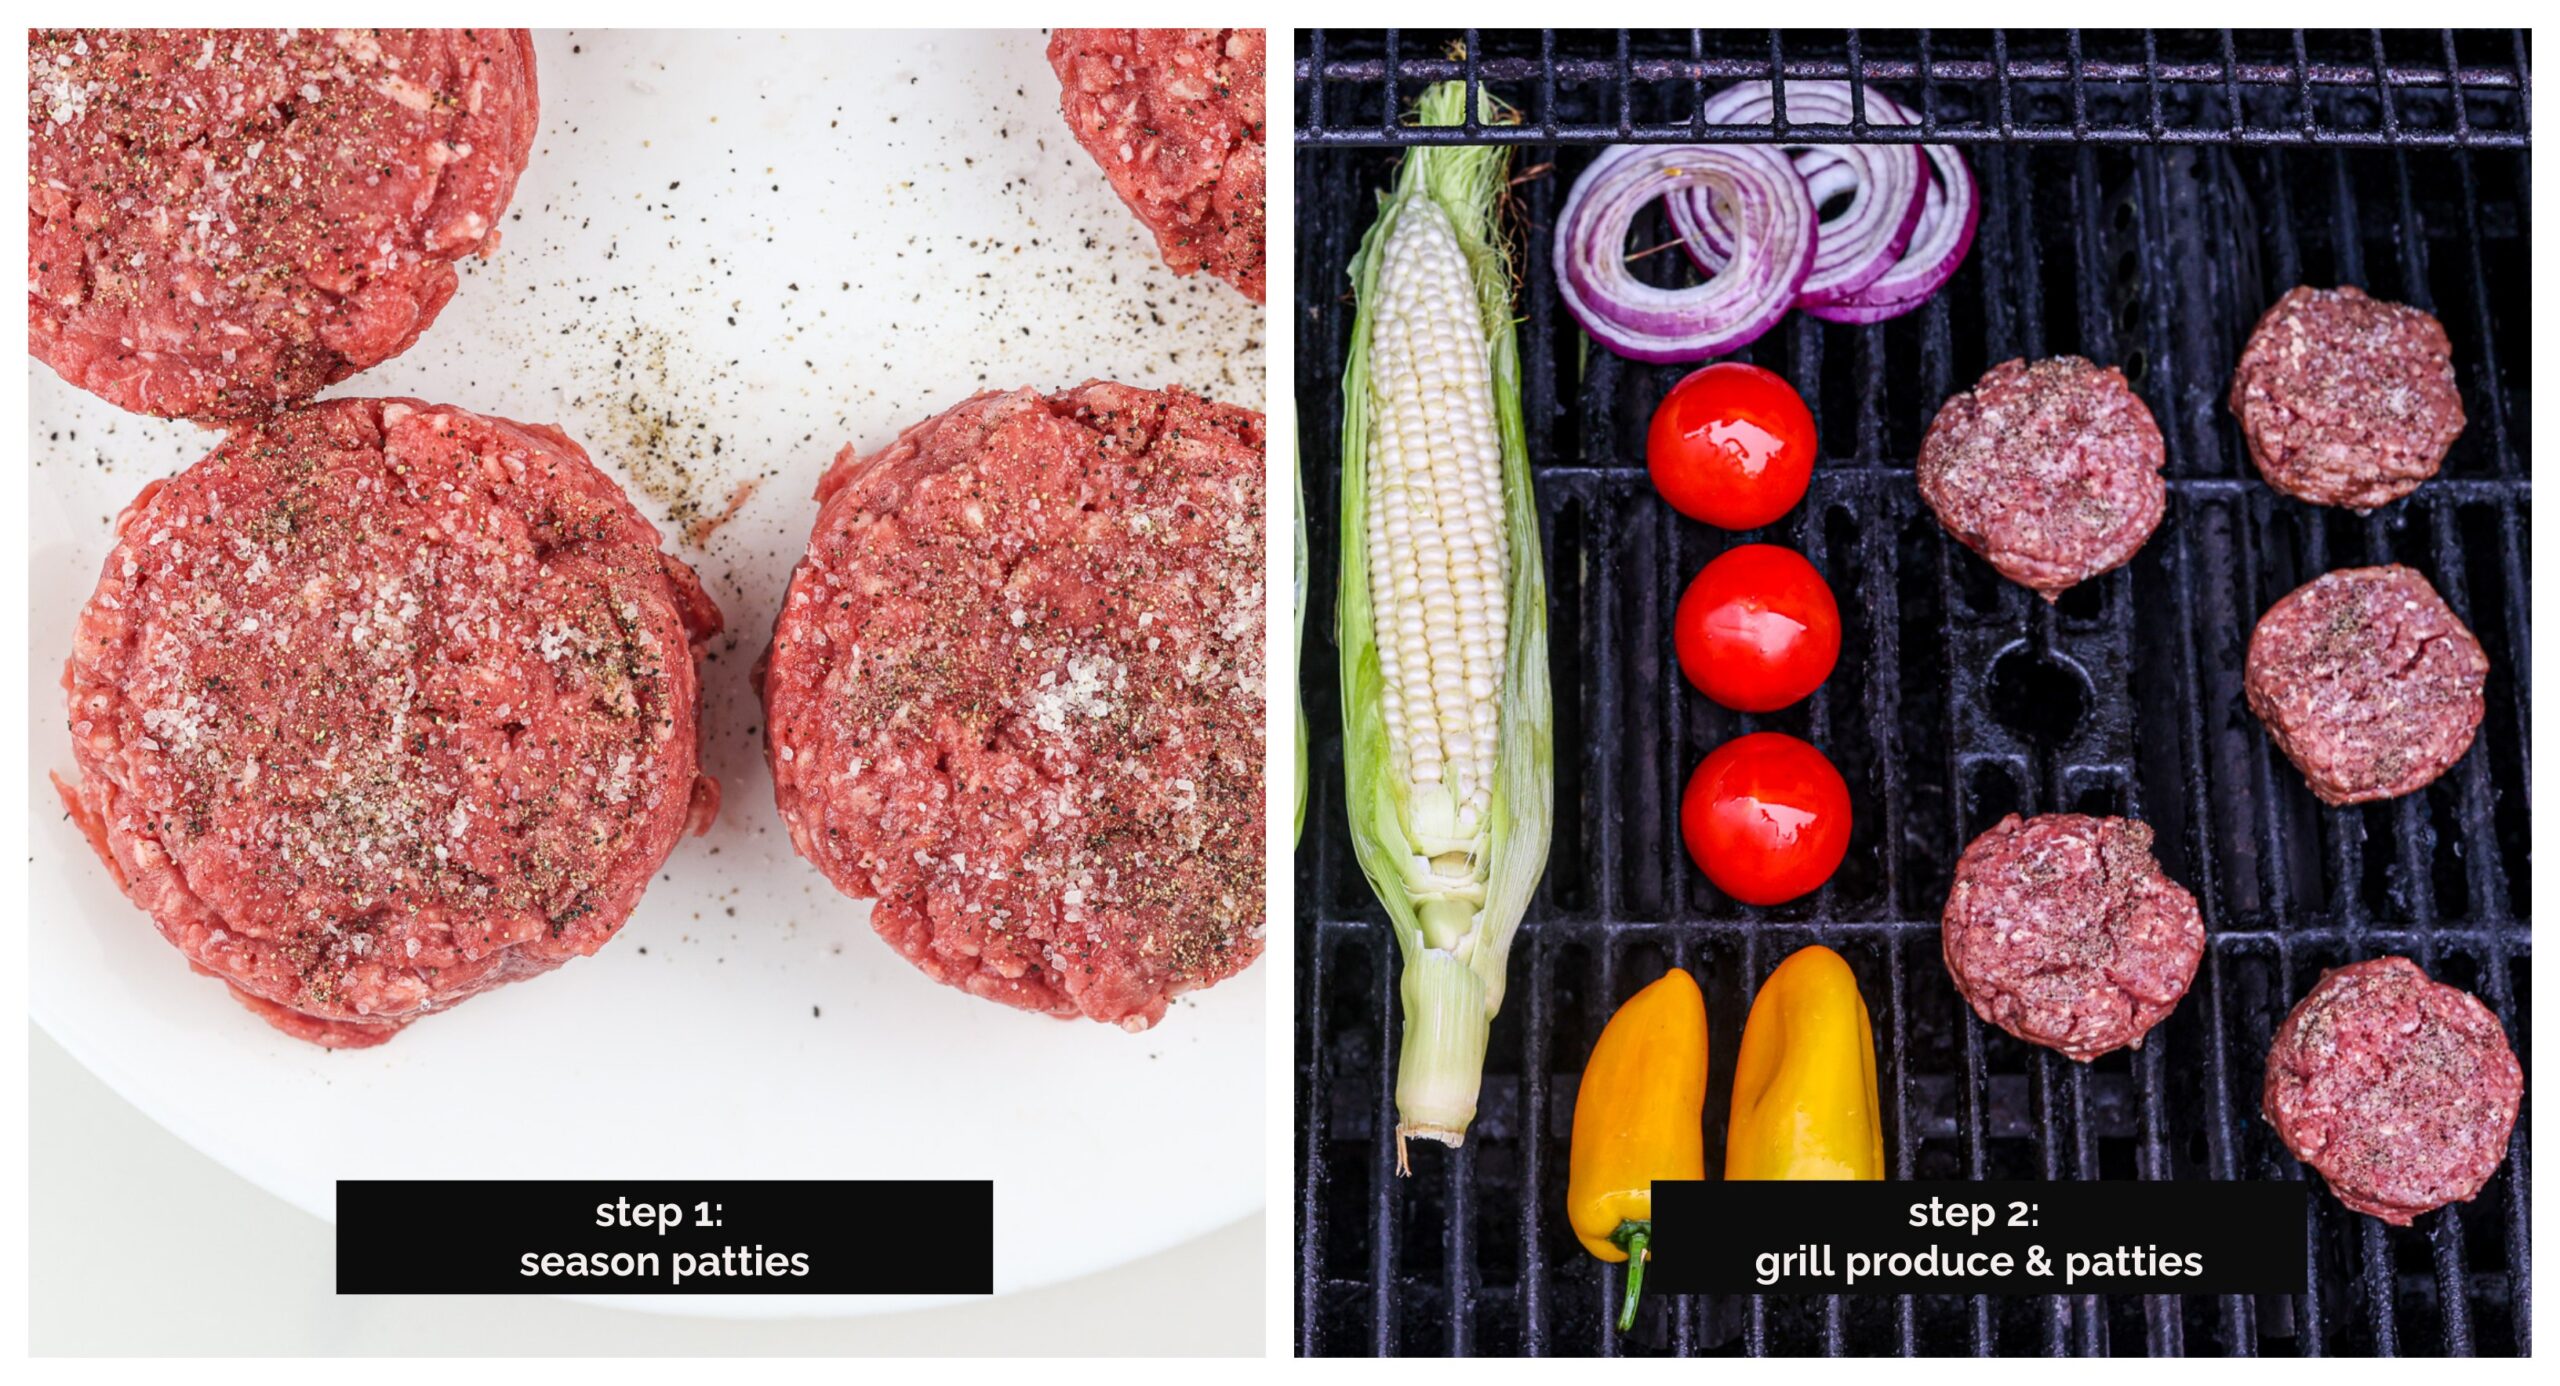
[130,1216]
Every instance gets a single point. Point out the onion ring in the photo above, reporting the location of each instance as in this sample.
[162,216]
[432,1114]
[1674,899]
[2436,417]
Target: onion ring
[1886,184]
[1948,216]
[1774,222]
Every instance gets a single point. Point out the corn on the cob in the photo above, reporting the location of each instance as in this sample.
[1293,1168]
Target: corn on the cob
[1447,735]
[1438,562]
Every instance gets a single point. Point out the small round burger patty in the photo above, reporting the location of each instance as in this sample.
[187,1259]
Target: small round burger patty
[2368,681]
[222,220]
[2400,1090]
[2049,469]
[2062,931]
[1175,118]
[383,704]
[1015,696]
[2345,399]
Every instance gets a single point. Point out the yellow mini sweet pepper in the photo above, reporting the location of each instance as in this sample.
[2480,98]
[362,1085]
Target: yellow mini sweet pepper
[1638,1117]
[1804,1084]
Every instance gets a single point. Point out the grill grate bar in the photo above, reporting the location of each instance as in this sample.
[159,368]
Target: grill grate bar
[2486,388]
[1806,539]
[2524,87]
[2158,124]
[1385,1187]
[2461,103]
[2381,1289]
[1387,77]
[2302,86]
[1778,77]
[2484,869]
[1311,103]
[1533,1213]
[1881,472]
[1906,1318]
[1474,119]
[1461,1182]
[1702,69]
[2475,938]
[1857,85]
[2079,90]
[1811,132]
[1611,1284]
[1314,975]
[2382,92]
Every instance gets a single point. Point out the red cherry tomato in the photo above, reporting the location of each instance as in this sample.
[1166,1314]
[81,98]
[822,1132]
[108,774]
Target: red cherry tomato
[1731,445]
[1766,817]
[1758,628]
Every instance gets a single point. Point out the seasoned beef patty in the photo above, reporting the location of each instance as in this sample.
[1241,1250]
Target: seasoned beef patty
[2400,1090]
[2049,469]
[2345,399]
[383,704]
[1015,696]
[2368,681]
[1175,118]
[221,220]
[2062,931]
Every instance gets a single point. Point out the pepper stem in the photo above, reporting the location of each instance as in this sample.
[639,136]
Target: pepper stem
[1633,1236]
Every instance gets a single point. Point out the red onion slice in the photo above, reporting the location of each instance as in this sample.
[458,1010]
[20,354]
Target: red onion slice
[1885,183]
[1708,245]
[1752,185]
[1952,210]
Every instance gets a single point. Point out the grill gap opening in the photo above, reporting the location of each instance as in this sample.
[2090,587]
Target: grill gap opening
[2038,694]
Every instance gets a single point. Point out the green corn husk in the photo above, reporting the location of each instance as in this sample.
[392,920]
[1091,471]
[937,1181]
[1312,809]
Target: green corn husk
[1454,958]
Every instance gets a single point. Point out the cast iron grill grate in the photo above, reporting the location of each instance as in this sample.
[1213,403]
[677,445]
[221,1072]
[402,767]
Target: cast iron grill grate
[1959,698]
[2271,87]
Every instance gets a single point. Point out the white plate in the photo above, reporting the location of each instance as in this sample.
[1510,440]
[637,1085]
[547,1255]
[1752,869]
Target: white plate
[783,243]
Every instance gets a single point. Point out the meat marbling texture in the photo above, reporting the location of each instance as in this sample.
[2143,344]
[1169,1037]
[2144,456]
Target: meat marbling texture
[2400,1090]
[1175,117]
[383,704]
[2346,399]
[2049,469]
[2062,930]
[2368,682]
[1015,696]
[222,221]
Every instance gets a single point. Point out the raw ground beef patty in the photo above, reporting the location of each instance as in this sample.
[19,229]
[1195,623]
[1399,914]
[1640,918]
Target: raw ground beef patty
[2368,681]
[222,220]
[1175,117]
[383,704]
[1015,696]
[2062,931]
[2345,399]
[2400,1090]
[2049,469]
